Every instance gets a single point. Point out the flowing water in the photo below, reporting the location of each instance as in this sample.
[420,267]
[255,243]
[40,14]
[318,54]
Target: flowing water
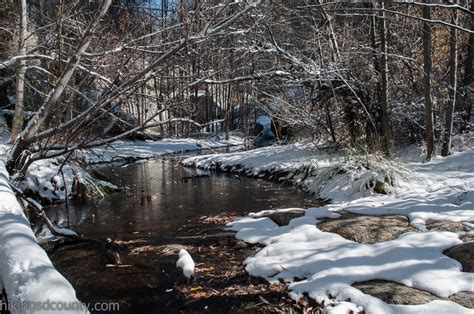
[161,194]
[158,198]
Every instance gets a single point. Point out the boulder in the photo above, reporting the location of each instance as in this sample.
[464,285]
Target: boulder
[283,218]
[451,226]
[464,254]
[368,229]
[395,293]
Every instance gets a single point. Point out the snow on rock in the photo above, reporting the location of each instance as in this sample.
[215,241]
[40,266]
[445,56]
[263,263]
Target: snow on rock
[330,264]
[343,308]
[265,121]
[44,179]
[373,305]
[186,263]
[268,212]
[26,272]
[258,229]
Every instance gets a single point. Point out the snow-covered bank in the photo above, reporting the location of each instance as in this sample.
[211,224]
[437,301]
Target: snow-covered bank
[442,189]
[45,180]
[324,174]
[26,272]
[324,264]
[50,181]
[123,150]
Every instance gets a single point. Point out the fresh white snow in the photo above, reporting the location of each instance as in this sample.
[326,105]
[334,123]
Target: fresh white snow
[26,272]
[120,150]
[330,264]
[186,263]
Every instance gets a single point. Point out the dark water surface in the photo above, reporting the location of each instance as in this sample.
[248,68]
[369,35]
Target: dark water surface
[156,213]
[155,197]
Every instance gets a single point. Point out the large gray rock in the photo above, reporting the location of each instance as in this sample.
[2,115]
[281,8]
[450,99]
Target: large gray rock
[395,293]
[464,298]
[451,226]
[368,229]
[464,254]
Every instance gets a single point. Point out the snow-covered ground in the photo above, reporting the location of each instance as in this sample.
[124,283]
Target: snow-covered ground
[327,264]
[121,150]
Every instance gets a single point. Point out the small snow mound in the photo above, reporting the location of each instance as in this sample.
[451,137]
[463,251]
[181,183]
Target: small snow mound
[343,308]
[186,263]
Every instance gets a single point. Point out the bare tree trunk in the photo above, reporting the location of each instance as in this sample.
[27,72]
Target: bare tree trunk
[427,67]
[453,60]
[384,87]
[20,74]
[469,66]
[22,140]
[468,78]
[332,36]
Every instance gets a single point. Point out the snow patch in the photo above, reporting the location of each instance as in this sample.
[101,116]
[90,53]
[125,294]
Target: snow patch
[331,263]
[186,263]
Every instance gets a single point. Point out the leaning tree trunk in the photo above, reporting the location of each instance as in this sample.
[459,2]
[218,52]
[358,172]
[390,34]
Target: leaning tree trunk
[23,140]
[453,60]
[427,67]
[20,74]
[384,74]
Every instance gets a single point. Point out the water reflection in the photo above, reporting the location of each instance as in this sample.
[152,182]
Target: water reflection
[155,197]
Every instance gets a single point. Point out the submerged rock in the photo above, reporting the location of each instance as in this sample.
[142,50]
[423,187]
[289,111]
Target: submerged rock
[368,229]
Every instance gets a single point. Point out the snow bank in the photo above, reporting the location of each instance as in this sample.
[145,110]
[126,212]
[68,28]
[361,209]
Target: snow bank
[26,272]
[121,150]
[43,178]
[323,174]
[257,161]
[442,189]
